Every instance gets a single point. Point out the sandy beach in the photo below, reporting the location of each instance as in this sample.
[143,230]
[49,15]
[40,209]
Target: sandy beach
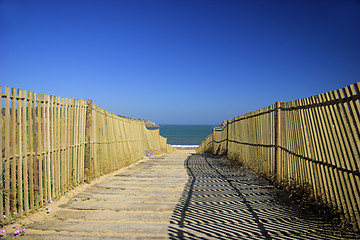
[191,151]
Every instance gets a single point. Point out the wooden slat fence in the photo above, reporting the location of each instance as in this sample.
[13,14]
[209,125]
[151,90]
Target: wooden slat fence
[52,144]
[307,142]
[154,141]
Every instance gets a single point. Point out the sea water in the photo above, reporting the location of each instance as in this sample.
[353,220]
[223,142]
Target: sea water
[185,136]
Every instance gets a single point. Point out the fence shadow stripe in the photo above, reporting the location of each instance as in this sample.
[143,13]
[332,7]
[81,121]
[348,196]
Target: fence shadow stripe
[212,215]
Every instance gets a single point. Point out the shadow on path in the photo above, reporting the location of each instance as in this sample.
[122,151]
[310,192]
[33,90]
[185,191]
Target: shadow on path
[226,201]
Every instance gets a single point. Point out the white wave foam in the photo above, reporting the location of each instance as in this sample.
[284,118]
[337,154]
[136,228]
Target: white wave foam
[185,146]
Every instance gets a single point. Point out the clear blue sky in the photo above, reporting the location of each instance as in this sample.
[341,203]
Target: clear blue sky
[178,61]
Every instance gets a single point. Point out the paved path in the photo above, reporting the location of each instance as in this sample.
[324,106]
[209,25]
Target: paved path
[180,196]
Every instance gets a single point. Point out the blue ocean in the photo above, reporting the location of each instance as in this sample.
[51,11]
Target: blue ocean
[185,136]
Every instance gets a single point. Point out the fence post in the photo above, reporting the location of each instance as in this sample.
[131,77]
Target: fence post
[87,164]
[213,140]
[227,137]
[36,158]
[277,141]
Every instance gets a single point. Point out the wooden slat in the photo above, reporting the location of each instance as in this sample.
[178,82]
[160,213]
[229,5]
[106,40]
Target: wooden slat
[342,148]
[94,138]
[30,138]
[20,133]
[75,141]
[25,147]
[1,155]
[66,145]
[44,146]
[58,148]
[72,151]
[324,153]
[79,144]
[40,149]
[126,140]
[54,142]
[35,165]
[52,147]
[124,144]
[63,147]
[7,153]
[292,147]
[13,152]
[48,148]
[104,145]
[83,140]
[288,157]
[315,150]
[338,176]
[354,123]
[298,139]
[351,144]
[327,142]
[82,123]
[110,144]
[309,149]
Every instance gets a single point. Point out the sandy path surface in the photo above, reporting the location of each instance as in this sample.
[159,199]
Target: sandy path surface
[134,202]
[178,196]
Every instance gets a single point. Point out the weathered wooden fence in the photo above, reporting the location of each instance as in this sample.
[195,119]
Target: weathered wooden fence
[308,142]
[52,144]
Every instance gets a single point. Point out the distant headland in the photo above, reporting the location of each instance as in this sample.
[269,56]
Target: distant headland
[146,122]
[149,123]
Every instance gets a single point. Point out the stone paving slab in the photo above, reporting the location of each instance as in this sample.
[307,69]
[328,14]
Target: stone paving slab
[182,196]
